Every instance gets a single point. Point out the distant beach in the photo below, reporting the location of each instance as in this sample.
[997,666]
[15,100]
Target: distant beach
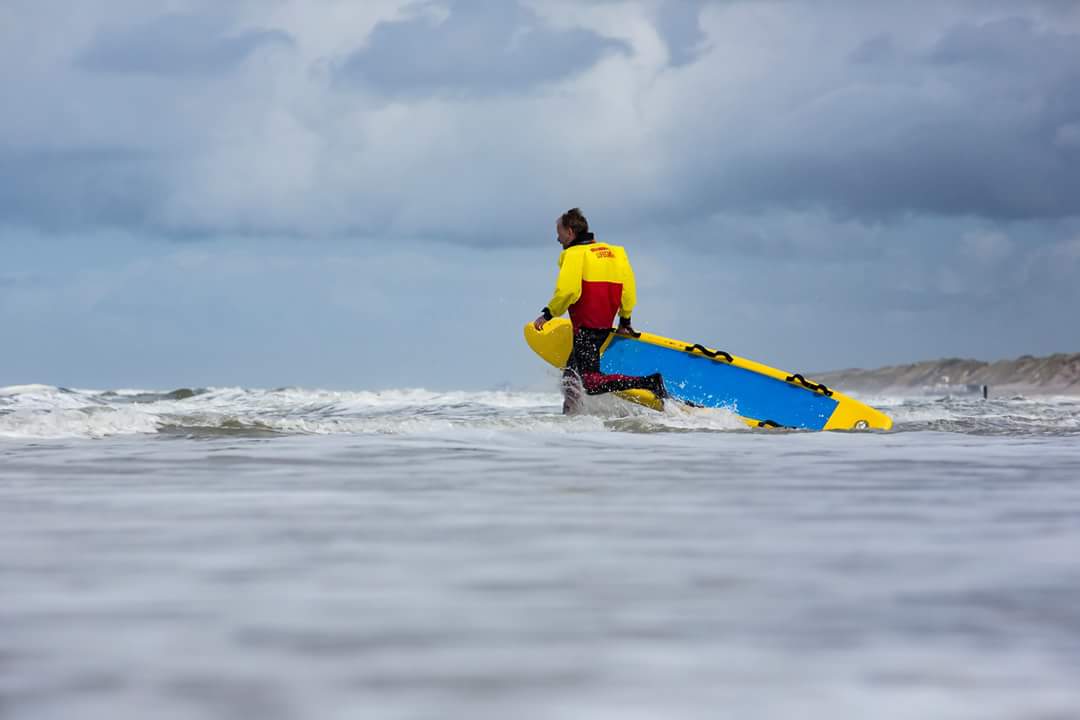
[1027,375]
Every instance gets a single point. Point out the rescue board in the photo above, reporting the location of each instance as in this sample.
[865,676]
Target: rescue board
[701,376]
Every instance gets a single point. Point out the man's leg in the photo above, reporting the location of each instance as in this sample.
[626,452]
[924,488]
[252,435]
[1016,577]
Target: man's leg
[572,388]
[572,391]
[584,360]
[597,383]
[586,356]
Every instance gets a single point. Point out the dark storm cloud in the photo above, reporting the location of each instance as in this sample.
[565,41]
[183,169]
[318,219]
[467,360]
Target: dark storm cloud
[876,50]
[68,189]
[175,44]
[758,108]
[679,24]
[480,47]
[940,168]
[1011,44]
[994,146]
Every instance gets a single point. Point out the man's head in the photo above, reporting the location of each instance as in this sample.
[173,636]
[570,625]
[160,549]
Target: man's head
[570,226]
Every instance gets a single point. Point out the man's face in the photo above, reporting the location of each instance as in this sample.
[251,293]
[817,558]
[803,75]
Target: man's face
[566,235]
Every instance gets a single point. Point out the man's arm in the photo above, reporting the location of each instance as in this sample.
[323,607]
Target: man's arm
[629,296]
[567,288]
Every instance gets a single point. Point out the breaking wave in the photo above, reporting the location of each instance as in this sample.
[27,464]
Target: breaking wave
[42,411]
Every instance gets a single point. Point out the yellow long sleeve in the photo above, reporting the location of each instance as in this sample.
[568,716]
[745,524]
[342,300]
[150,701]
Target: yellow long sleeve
[568,284]
[629,287]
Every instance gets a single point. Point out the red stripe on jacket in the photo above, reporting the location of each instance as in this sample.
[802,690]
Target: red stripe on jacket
[597,306]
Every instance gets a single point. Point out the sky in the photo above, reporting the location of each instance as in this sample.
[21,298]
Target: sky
[362,195]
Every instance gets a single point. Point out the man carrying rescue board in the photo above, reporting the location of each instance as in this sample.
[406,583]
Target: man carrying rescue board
[595,282]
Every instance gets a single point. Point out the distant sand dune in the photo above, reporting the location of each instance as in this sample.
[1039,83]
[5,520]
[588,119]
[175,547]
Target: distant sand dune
[1053,375]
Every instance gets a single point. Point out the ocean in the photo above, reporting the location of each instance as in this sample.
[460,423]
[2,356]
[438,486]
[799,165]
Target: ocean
[235,553]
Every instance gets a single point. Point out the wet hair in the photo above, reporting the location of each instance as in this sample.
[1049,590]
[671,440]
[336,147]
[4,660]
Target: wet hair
[573,219]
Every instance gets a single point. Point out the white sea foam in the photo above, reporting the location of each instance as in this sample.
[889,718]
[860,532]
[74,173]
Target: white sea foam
[41,411]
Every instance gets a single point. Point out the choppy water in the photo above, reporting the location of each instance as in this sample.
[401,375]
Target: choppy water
[301,554]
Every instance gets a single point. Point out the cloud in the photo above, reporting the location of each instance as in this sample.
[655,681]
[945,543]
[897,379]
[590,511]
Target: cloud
[473,47]
[1012,44]
[898,128]
[879,49]
[409,119]
[1068,136]
[679,23]
[176,44]
[65,189]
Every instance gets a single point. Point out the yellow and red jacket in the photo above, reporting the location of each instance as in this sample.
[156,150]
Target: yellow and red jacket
[595,282]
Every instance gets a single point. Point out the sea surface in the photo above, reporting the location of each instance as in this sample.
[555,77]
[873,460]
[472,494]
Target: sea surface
[238,553]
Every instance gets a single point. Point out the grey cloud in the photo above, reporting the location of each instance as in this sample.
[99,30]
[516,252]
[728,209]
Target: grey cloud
[62,189]
[678,22]
[479,48]
[1012,43]
[893,144]
[878,49]
[174,45]
[856,119]
[947,169]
